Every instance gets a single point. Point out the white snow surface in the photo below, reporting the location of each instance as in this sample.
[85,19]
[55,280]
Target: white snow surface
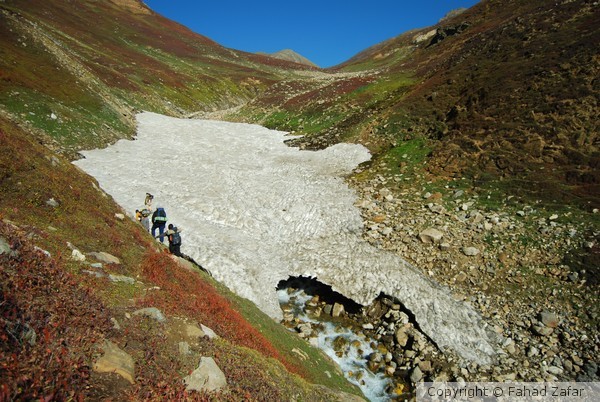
[254,211]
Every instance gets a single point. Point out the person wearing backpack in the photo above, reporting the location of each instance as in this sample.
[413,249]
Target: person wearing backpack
[145,218]
[159,220]
[174,237]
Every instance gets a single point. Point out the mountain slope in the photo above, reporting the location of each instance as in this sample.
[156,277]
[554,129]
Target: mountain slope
[79,73]
[290,55]
[505,90]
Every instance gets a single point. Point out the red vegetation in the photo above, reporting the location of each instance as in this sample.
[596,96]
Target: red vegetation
[183,293]
[48,325]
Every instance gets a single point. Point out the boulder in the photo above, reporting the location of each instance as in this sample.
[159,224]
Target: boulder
[151,312]
[117,361]
[207,377]
[77,255]
[105,257]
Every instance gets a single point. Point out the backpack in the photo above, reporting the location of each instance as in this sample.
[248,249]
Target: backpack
[145,212]
[161,215]
[176,238]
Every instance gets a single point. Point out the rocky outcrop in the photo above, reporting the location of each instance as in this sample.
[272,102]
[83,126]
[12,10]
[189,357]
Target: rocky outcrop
[115,360]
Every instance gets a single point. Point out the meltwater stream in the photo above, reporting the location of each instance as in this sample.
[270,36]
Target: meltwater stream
[353,354]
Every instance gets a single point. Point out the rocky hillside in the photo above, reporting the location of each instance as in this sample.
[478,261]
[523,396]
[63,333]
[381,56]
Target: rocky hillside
[506,90]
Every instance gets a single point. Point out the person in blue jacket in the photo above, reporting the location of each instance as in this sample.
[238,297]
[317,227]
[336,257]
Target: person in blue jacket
[159,220]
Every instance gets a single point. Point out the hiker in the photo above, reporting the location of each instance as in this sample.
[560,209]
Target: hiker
[159,220]
[145,218]
[148,201]
[174,237]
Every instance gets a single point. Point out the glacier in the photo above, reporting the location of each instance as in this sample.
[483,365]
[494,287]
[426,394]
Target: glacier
[254,211]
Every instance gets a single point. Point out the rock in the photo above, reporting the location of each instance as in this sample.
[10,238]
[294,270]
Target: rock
[438,209]
[549,319]
[53,116]
[542,330]
[521,213]
[115,323]
[77,255]
[338,309]
[458,194]
[305,329]
[417,375]
[367,326]
[387,231]
[207,377]
[425,366]
[52,203]
[327,309]
[555,370]
[402,336]
[93,273]
[184,348]
[105,257]
[553,217]
[151,312]
[470,251]
[445,246]
[192,331]
[121,278]
[117,361]
[5,247]
[461,277]
[533,351]
[120,216]
[431,235]
[208,332]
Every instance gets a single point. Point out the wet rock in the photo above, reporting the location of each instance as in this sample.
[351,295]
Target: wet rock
[338,309]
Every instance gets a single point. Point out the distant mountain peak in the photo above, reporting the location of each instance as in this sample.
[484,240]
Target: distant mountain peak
[290,55]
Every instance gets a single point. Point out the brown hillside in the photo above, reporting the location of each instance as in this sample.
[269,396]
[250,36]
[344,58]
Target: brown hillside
[508,89]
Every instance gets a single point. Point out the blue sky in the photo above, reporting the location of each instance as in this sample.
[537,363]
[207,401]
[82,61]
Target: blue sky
[327,32]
